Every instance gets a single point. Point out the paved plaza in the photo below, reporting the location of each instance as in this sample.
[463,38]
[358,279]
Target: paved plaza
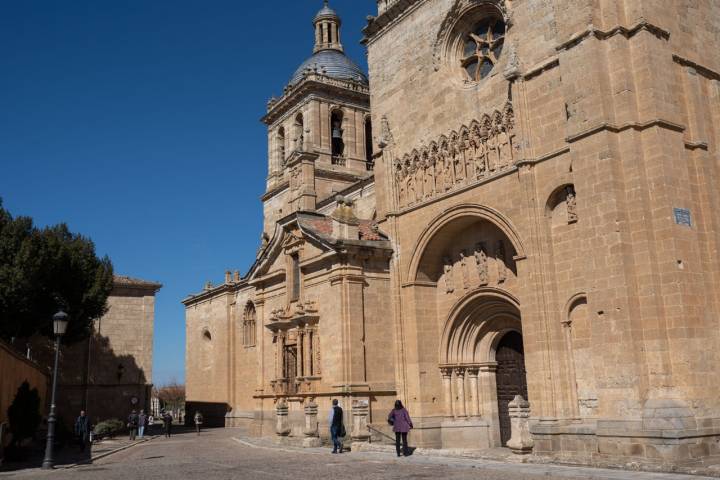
[227,454]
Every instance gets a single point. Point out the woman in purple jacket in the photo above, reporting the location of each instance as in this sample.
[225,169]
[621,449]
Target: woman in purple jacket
[399,418]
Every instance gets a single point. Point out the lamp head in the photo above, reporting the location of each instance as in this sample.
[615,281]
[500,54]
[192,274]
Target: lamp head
[60,323]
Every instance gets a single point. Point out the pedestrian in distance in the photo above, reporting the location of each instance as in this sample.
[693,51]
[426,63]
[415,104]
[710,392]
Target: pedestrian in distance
[198,421]
[337,426]
[132,425]
[142,422]
[400,420]
[82,430]
[167,423]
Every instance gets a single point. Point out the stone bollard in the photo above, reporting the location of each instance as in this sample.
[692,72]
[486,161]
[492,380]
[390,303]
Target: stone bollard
[360,413]
[282,425]
[312,437]
[521,441]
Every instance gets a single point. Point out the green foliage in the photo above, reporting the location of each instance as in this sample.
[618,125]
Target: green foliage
[42,270]
[24,413]
[109,427]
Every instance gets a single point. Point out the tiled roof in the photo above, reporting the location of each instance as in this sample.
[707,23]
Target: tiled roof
[333,64]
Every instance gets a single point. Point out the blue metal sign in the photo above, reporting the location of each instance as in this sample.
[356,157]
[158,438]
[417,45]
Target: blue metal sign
[682,216]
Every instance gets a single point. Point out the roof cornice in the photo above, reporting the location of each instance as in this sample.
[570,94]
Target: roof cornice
[314,82]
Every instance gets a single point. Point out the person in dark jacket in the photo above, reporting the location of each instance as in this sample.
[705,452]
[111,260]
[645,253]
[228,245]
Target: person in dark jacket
[399,418]
[133,422]
[337,428]
[167,423]
[82,430]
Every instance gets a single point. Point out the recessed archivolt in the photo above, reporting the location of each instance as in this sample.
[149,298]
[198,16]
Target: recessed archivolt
[454,214]
[475,325]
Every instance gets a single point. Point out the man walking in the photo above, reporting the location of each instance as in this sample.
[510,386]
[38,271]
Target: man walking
[133,422]
[167,423]
[82,429]
[198,421]
[142,421]
[337,428]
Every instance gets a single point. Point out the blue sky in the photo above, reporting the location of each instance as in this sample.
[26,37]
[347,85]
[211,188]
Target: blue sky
[137,123]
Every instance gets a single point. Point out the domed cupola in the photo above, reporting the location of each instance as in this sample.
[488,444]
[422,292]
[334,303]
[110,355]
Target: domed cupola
[327,29]
[329,57]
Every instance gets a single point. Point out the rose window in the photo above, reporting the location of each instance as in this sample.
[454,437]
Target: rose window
[482,48]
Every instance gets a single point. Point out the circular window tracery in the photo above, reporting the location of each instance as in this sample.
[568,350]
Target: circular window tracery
[482,47]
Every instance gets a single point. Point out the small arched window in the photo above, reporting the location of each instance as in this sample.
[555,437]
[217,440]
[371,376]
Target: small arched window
[249,326]
[206,335]
[338,144]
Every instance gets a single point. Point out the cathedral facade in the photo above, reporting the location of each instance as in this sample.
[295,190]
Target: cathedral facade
[520,199]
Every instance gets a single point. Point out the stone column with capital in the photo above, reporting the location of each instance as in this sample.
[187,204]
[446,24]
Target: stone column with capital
[447,391]
[300,354]
[307,352]
[460,377]
[472,373]
[312,436]
[282,424]
[521,441]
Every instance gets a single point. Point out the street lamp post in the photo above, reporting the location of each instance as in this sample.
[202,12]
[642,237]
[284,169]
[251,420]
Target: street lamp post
[60,322]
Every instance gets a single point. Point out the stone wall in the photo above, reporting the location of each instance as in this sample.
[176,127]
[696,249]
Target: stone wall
[14,370]
[616,299]
[110,373]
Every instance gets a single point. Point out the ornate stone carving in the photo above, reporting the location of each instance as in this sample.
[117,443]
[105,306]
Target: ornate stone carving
[473,153]
[500,257]
[448,269]
[464,270]
[386,137]
[571,204]
[481,260]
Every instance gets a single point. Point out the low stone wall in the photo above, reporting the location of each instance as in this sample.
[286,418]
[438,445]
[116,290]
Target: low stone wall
[14,370]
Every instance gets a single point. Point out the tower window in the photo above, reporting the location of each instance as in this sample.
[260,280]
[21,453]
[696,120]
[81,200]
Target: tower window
[338,145]
[368,142]
[281,146]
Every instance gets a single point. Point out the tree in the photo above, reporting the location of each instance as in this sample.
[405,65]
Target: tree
[42,270]
[172,396]
[24,413]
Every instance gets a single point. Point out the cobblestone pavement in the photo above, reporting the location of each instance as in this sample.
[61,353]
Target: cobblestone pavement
[226,454]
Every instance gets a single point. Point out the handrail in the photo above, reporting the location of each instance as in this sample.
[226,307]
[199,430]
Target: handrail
[381,433]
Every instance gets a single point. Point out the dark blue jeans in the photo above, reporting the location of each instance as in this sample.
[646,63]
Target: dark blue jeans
[335,435]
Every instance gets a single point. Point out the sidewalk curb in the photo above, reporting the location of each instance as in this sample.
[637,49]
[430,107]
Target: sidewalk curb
[106,454]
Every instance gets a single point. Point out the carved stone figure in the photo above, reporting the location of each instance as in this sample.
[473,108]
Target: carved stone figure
[448,271]
[481,260]
[571,204]
[464,270]
[500,257]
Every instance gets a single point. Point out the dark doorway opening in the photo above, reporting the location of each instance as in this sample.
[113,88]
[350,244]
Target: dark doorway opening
[511,378]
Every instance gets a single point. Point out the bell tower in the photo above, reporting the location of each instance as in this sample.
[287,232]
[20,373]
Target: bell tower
[319,131]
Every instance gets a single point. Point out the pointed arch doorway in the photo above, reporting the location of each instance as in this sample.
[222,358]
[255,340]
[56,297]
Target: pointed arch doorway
[510,378]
